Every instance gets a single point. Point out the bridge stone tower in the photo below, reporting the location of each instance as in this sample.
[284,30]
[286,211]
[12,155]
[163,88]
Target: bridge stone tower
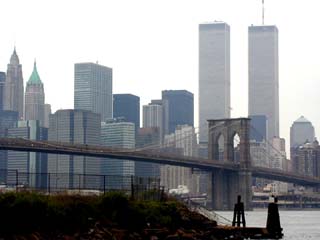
[227,184]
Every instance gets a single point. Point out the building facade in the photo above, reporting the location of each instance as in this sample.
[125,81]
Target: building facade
[278,154]
[180,109]
[47,112]
[214,74]
[76,127]
[258,128]
[34,98]
[185,142]
[127,106]
[2,86]
[93,89]
[308,159]
[264,76]
[29,165]
[13,88]
[148,138]
[301,131]
[117,134]
[153,117]
[8,119]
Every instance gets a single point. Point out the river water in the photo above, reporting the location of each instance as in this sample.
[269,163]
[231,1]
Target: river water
[296,225]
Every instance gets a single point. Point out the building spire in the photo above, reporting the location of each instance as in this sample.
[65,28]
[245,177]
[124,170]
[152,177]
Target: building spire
[34,78]
[14,57]
[262,12]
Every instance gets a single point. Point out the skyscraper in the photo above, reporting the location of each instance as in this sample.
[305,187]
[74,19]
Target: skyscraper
[301,131]
[115,133]
[34,98]
[47,112]
[301,134]
[153,117]
[13,94]
[127,106]
[263,76]
[25,162]
[214,74]
[149,136]
[93,89]
[74,126]
[180,108]
[2,85]
[259,128]
[184,140]
[8,119]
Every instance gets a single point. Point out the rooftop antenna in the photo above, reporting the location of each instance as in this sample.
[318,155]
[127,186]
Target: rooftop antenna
[262,12]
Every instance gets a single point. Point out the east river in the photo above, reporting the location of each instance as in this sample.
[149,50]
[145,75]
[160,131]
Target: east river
[296,225]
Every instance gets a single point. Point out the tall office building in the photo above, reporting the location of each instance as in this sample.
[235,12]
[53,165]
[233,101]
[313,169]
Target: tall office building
[183,140]
[308,159]
[258,128]
[153,117]
[301,131]
[278,154]
[180,109]
[28,163]
[34,98]
[93,89]
[263,76]
[47,112]
[115,133]
[78,127]
[127,106]
[214,74]
[2,84]
[8,119]
[13,94]
[147,137]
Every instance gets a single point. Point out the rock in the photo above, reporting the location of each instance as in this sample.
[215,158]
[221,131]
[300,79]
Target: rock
[172,237]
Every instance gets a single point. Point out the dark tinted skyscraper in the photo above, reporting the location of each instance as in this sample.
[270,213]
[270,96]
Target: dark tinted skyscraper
[2,82]
[93,89]
[259,127]
[8,119]
[13,95]
[128,107]
[180,108]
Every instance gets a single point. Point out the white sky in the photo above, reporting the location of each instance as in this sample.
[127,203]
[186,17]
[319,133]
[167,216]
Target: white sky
[153,45]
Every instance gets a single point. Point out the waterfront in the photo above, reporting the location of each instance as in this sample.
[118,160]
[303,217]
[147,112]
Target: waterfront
[296,225]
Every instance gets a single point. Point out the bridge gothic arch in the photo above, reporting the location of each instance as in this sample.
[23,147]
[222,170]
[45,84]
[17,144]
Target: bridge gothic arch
[226,185]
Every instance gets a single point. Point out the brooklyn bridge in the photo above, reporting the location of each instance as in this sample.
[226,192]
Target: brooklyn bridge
[229,178]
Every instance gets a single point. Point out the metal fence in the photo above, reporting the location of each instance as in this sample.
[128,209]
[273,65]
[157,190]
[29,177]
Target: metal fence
[86,184]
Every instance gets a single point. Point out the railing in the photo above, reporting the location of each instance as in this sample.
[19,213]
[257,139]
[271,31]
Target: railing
[85,184]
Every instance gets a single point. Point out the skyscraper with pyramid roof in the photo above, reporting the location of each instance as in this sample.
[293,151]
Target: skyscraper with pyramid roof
[34,97]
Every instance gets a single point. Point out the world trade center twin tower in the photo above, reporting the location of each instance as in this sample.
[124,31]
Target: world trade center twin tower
[214,75]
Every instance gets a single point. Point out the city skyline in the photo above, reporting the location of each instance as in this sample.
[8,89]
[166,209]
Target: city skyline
[58,70]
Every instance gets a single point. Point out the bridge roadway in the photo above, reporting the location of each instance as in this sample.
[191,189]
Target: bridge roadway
[151,156]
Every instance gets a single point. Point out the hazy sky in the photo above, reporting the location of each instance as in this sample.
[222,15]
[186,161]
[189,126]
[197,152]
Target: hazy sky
[153,46]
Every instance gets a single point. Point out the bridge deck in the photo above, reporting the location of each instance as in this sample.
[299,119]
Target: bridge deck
[151,156]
